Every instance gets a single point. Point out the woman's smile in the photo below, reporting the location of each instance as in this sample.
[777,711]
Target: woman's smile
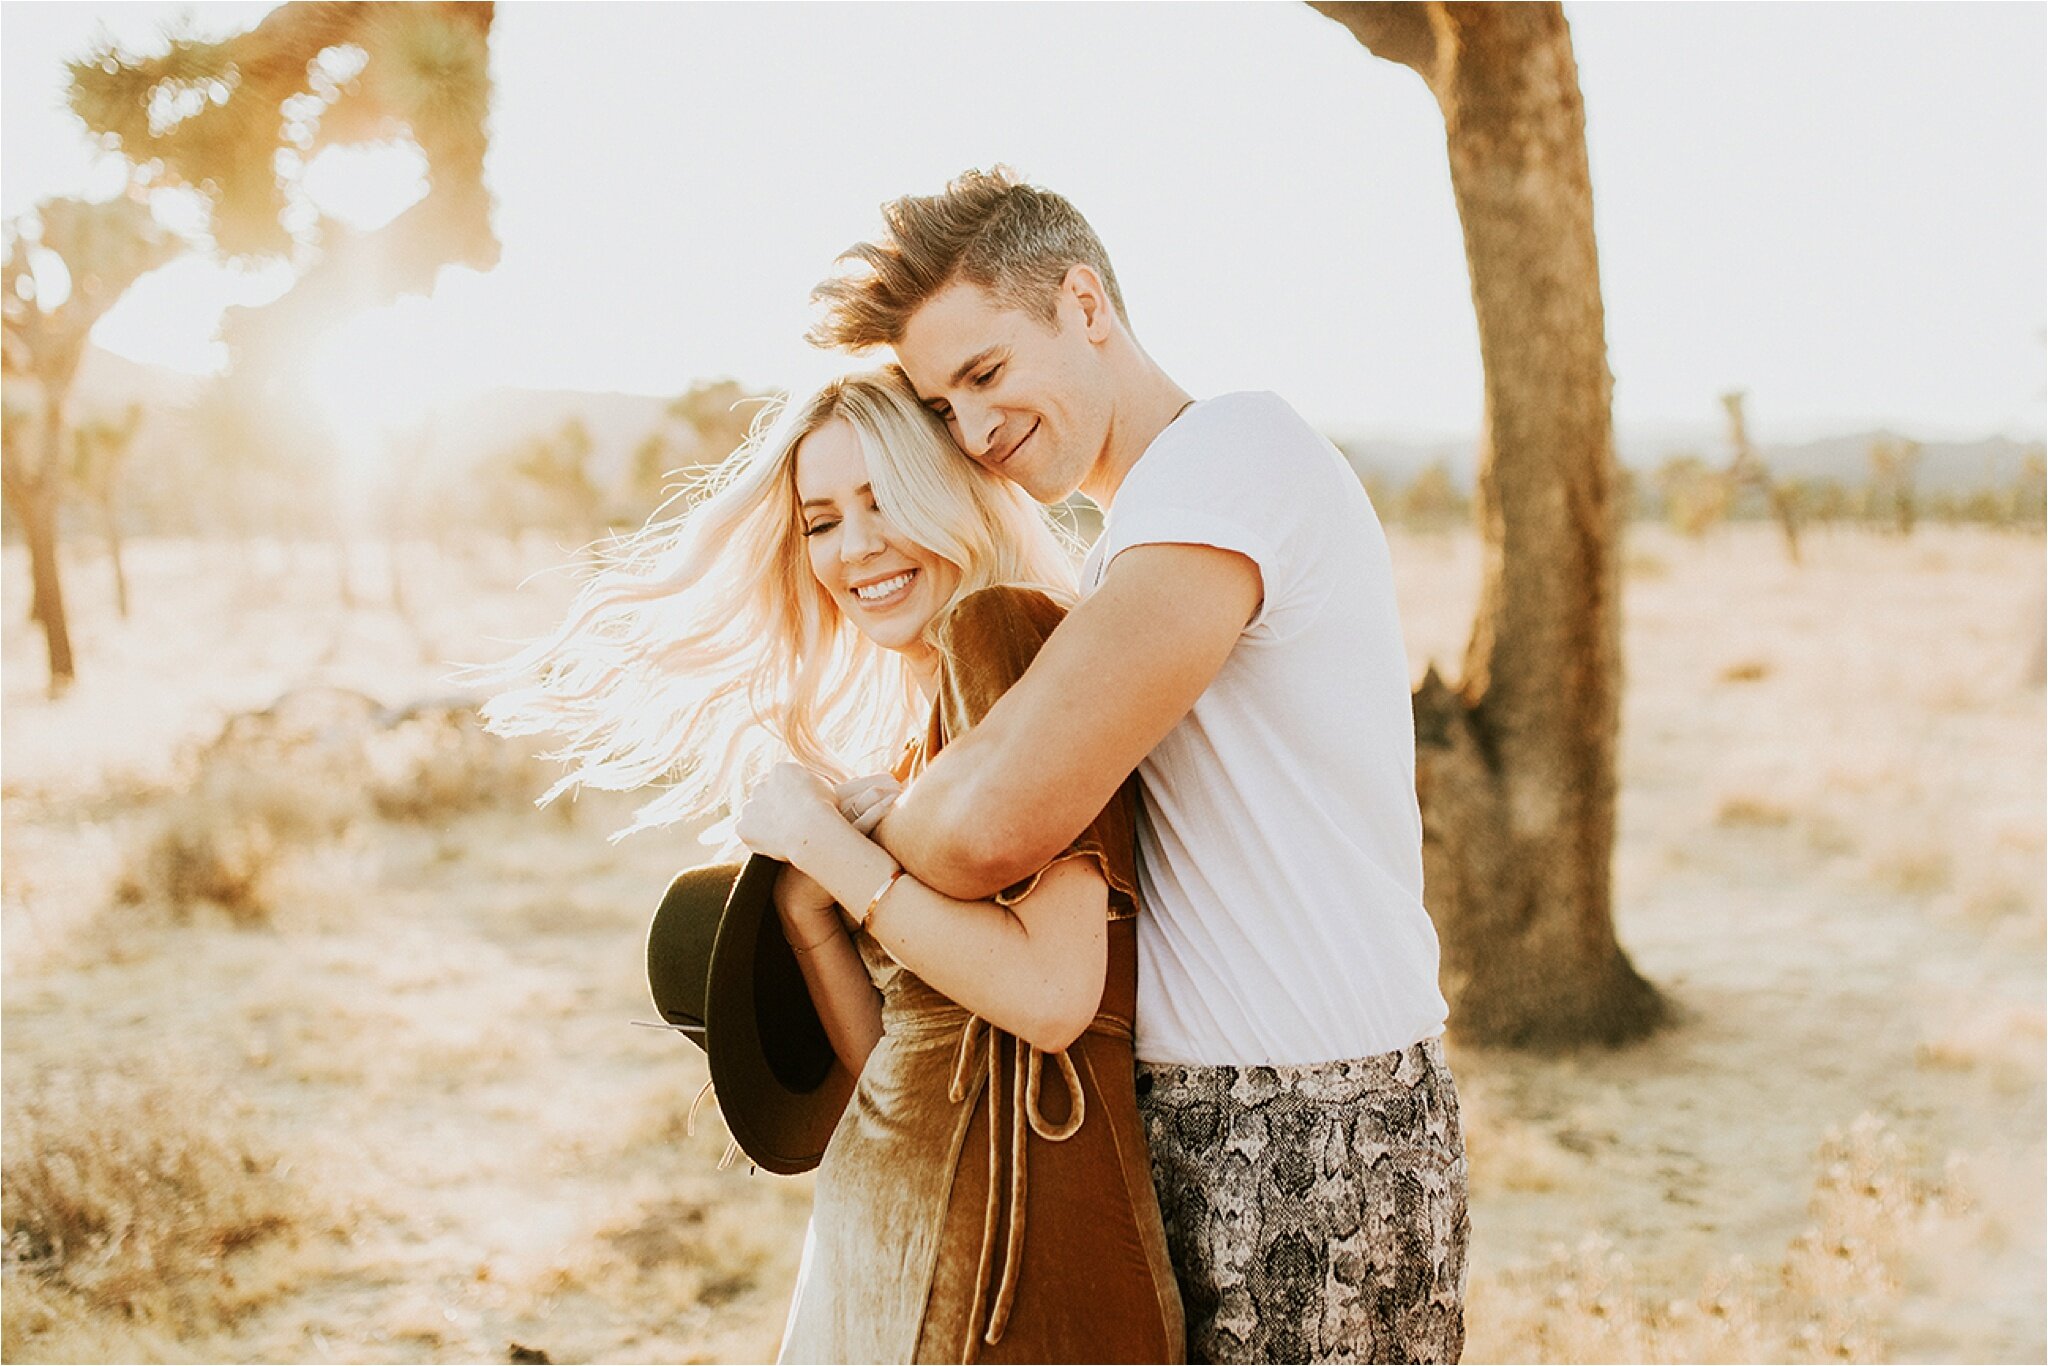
[879,595]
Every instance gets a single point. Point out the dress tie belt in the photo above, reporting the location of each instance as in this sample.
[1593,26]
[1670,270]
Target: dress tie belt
[1025,1077]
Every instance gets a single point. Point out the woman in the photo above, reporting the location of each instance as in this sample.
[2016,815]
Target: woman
[850,588]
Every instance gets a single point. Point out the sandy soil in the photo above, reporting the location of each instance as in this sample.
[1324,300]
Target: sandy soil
[1831,858]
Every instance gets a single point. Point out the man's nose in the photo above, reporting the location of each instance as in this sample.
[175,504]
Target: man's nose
[978,425]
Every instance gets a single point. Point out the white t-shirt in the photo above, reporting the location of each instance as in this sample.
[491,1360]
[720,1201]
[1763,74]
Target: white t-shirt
[1280,843]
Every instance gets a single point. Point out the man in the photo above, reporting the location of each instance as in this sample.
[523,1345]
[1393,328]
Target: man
[1238,645]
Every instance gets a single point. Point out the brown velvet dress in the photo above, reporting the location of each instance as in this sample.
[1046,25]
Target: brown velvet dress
[981,1200]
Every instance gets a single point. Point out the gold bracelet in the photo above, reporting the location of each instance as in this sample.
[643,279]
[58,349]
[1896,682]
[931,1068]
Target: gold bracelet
[876,900]
[809,948]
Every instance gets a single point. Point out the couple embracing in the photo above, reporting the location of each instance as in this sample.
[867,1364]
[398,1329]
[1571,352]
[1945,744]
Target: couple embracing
[1125,959]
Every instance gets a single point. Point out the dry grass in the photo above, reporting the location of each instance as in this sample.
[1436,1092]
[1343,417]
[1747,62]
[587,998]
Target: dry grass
[140,1211]
[1840,887]
[1829,1298]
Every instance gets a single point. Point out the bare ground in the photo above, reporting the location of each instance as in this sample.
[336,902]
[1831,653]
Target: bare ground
[408,1026]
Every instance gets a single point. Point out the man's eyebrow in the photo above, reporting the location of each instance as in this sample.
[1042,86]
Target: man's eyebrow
[973,363]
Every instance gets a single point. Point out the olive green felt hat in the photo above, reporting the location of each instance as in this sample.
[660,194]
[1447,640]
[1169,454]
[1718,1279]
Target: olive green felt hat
[724,976]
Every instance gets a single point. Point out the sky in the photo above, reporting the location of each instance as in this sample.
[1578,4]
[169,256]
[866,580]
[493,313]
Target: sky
[1840,208]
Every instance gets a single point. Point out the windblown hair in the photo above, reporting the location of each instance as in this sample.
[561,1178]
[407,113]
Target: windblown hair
[988,228]
[702,650]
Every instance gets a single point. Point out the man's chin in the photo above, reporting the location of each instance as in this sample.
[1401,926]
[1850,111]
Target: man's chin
[1052,495]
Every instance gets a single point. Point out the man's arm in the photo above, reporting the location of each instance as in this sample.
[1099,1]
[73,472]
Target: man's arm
[1002,800]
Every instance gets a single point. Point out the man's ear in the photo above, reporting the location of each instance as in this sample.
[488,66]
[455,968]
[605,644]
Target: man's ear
[1084,291]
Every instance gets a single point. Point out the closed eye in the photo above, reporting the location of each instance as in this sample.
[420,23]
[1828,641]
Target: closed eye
[814,528]
[987,377]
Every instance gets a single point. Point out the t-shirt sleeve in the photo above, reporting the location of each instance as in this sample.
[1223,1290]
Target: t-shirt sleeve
[986,643]
[1247,477]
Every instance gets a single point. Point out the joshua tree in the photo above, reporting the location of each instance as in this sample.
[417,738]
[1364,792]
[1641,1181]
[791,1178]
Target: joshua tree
[103,248]
[1893,468]
[1516,765]
[1695,498]
[1747,469]
[238,121]
[99,450]
[1432,499]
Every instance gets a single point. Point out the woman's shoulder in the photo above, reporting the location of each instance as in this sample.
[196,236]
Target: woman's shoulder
[1002,606]
[986,642]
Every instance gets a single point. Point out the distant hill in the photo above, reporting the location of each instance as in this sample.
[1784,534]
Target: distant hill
[463,433]
[474,428]
[1945,466]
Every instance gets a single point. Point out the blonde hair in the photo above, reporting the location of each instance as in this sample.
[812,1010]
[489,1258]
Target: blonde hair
[987,227]
[702,650]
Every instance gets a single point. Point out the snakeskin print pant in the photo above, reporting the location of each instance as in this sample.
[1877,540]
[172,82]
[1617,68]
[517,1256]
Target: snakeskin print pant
[1314,1213]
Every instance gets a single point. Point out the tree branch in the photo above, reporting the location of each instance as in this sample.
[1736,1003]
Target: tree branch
[1394,30]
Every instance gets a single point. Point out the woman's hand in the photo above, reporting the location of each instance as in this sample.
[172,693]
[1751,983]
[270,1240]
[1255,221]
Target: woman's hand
[864,801]
[785,812]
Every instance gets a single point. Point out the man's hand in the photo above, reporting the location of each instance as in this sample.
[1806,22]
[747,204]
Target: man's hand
[1125,666]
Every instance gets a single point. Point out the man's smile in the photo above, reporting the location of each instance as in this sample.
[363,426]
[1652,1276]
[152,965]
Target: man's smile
[1015,446]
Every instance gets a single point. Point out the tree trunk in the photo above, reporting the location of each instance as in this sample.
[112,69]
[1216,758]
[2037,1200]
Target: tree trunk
[110,526]
[39,520]
[341,576]
[1516,764]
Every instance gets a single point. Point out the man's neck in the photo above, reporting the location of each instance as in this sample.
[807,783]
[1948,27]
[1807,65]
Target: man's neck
[1147,403]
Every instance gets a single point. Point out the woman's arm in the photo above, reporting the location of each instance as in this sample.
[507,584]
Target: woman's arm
[1035,969]
[847,1003]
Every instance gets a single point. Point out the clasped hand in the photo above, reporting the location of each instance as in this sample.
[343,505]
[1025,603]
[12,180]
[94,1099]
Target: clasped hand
[788,806]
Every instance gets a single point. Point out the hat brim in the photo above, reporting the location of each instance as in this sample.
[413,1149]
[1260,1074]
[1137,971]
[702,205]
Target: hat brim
[772,1065]
[679,940]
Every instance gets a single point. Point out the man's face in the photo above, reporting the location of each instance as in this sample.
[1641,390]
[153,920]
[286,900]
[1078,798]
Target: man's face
[1021,397]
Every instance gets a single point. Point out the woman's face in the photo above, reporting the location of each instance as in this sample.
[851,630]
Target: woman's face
[888,586]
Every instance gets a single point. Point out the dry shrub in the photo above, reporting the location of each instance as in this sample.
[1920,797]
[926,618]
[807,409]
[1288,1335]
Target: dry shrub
[2003,1044]
[1644,565]
[139,1213]
[1755,812]
[224,840]
[302,773]
[1833,1299]
[439,761]
[1914,871]
[1870,1210]
[693,1248]
[1587,1305]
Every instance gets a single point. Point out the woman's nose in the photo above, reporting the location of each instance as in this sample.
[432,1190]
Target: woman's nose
[863,537]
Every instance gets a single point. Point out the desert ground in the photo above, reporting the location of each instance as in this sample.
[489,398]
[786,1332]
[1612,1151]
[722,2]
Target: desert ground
[318,1040]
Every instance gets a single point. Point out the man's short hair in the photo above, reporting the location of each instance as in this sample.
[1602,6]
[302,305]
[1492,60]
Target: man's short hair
[986,227]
